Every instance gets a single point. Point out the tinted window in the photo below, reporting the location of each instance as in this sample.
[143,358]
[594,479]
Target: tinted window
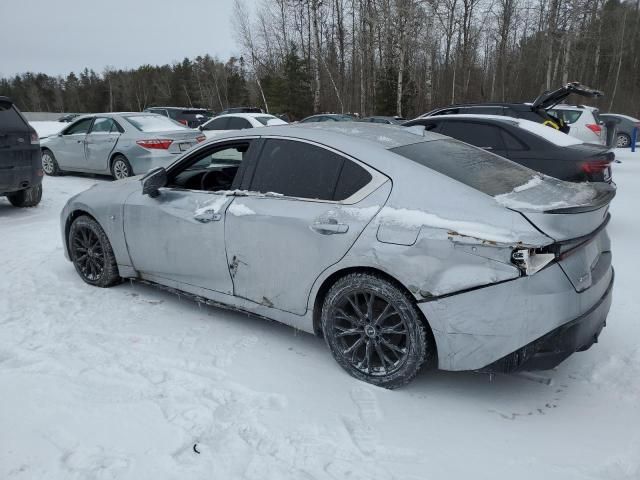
[483,136]
[511,142]
[237,123]
[483,110]
[10,119]
[472,166]
[448,111]
[297,169]
[217,124]
[81,126]
[352,178]
[103,125]
[153,123]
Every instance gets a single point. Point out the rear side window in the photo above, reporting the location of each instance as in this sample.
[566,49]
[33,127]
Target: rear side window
[237,123]
[104,125]
[297,169]
[478,134]
[512,143]
[472,166]
[217,124]
[352,178]
[10,119]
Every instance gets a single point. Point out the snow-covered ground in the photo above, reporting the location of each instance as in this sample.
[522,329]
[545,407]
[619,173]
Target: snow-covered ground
[122,383]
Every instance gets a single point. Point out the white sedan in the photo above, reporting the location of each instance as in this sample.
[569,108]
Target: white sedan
[238,121]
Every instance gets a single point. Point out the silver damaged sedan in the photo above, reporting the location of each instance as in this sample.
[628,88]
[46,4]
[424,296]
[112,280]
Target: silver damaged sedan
[117,144]
[399,247]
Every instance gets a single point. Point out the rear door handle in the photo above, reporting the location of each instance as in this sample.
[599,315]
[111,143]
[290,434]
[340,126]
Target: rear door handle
[208,216]
[330,228]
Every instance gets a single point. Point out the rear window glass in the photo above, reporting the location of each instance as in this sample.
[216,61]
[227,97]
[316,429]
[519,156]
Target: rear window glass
[152,123]
[10,119]
[472,166]
[265,120]
[567,116]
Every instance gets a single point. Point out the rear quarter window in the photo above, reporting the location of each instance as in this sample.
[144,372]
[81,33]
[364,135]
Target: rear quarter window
[469,165]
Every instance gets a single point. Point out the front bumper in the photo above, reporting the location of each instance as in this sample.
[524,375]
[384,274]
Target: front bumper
[524,318]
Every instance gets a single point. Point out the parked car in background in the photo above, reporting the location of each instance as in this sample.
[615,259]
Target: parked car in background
[240,110]
[328,117]
[527,143]
[400,248]
[20,164]
[117,144]
[189,117]
[238,121]
[584,122]
[69,117]
[624,128]
[384,120]
[537,111]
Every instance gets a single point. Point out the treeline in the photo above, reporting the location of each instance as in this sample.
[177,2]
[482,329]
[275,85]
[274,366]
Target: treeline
[377,56]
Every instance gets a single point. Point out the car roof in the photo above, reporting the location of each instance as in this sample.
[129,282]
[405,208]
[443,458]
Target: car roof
[245,115]
[347,136]
[620,115]
[576,108]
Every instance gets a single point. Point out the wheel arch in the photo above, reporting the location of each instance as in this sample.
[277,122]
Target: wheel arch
[113,156]
[335,276]
[78,212]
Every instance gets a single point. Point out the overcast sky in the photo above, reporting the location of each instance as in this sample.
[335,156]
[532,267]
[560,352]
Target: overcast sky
[59,36]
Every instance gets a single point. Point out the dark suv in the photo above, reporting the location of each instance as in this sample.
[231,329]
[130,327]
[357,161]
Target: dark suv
[189,117]
[537,111]
[20,162]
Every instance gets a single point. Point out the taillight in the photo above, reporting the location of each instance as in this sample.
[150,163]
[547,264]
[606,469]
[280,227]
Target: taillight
[200,138]
[184,122]
[595,166]
[35,139]
[155,144]
[595,128]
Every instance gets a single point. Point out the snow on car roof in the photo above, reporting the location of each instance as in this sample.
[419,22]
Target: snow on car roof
[548,133]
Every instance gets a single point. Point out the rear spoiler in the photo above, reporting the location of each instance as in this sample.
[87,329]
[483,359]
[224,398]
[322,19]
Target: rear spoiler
[604,196]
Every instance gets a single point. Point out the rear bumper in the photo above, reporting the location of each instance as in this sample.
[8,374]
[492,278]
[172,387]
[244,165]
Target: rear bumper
[148,160]
[22,174]
[537,314]
[551,349]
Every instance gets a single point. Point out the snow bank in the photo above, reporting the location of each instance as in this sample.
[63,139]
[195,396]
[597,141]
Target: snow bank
[240,210]
[46,129]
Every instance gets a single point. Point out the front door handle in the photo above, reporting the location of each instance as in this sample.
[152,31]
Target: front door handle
[330,228]
[208,216]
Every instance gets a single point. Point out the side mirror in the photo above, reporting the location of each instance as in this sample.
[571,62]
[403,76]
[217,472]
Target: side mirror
[153,181]
[200,127]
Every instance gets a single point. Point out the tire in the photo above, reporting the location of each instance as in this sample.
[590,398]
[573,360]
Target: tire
[121,168]
[50,164]
[91,253]
[623,140]
[29,197]
[375,331]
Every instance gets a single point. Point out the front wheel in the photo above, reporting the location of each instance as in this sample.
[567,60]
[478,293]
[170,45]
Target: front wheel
[49,163]
[91,253]
[623,140]
[121,168]
[375,331]
[29,197]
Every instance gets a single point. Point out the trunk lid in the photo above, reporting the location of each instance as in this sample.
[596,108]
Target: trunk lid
[183,140]
[561,210]
[575,215]
[548,99]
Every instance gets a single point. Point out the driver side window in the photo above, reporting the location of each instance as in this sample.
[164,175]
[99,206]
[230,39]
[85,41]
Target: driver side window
[82,126]
[217,124]
[211,170]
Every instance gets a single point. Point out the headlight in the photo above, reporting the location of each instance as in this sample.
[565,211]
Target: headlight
[529,261]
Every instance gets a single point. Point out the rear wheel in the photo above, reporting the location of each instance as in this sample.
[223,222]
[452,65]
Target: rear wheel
[623,140]
[29,197]
[91,253]
[375,331]
[121,168]
[49,163]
